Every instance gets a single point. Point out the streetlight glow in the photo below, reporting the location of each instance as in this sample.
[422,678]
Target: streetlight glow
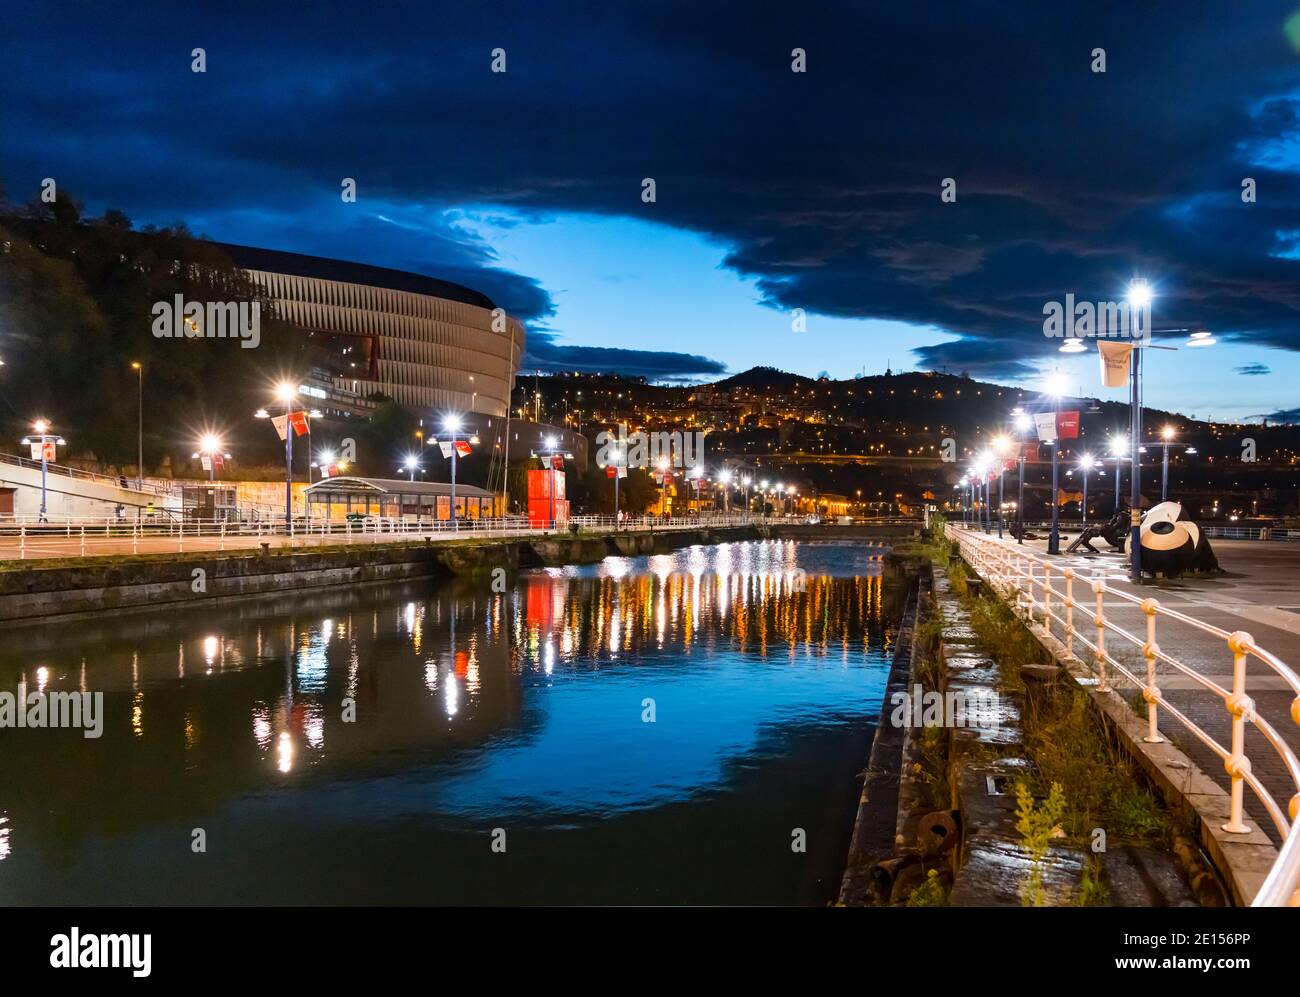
[1139,293]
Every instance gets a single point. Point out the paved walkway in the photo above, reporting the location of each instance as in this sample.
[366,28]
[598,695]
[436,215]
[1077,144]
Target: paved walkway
[1259,593]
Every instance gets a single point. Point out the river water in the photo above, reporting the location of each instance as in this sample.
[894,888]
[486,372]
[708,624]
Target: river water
[666,729]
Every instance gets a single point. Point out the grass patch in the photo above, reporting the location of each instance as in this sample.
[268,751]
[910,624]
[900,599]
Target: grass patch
[1070,748]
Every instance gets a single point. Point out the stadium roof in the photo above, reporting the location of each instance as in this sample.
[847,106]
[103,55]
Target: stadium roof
[300,265]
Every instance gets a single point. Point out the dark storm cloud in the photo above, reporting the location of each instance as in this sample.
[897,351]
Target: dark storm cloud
[825,184]
[1253,370]
[545,355]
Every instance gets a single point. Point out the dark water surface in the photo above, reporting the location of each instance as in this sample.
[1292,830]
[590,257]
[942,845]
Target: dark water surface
[475,711]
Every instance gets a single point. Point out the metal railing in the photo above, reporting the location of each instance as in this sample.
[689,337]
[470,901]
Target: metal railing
[1042,589]
[100,536]
[62,470]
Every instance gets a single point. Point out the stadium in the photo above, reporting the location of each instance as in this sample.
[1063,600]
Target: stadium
[430,345]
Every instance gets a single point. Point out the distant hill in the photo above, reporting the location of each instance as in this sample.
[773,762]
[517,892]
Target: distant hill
[765,377]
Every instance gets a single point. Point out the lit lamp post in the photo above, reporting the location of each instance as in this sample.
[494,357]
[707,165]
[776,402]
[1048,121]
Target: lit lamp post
[325,461]
[746,480]
[139,425]
[412,464]
[210,448]
[697,473]
[1000,447]
[980,478]
[620,461]
[961,491]
[1167,441]
[1139,300]
[762,495]
[724,479]
[1024,423]
[452,424]
[48,443]
[1055,388]
[1086,463]
[662,467]
[286,394]
[1117,447]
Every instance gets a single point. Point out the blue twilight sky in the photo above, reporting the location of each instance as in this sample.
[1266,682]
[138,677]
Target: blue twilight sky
[775,190]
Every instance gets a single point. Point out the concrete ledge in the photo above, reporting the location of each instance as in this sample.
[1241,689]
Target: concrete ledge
[1243,860]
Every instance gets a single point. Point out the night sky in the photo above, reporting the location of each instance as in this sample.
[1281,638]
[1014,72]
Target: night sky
[775,190]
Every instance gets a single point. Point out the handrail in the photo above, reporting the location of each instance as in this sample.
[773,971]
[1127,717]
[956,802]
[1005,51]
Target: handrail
[81,538]
[1016,571]
[64,470]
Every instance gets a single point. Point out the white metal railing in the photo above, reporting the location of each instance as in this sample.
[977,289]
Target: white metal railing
[1041,588]
[100,536]
[112,481]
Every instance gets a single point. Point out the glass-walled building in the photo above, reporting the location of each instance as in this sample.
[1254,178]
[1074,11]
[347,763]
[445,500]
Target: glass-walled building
[395,498]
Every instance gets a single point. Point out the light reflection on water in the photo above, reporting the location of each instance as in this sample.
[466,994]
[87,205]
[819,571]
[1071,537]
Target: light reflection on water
[360,745]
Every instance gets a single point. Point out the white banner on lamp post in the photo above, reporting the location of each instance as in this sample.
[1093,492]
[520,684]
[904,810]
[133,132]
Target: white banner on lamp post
[1115,360]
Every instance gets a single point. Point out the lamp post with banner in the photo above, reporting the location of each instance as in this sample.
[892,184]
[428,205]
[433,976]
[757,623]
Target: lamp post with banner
[44,446]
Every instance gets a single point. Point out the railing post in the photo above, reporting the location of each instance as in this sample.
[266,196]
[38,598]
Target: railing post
[1242,709]
[1099,621]
[135,538]
[1069,611]
[1047,597]
[1033,601]
[1149,651]
[83,541]
[223,536]
[22,542]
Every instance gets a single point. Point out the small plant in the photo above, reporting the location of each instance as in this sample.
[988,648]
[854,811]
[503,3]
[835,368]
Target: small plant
[1093,891]
[934,762]
[1037,826]
[932,893]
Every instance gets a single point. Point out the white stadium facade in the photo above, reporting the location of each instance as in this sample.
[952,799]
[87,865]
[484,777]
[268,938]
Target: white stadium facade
[430,345]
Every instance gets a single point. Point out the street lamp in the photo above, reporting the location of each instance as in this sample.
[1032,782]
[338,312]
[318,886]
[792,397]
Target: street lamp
[1086,463]
[697,473]
[452,424]
[412,464]
[1055,389]
[139,426]
[619,448]
[1167,441]
[286,393]
[1000,447]
[662,466]
[1024,423]
[210,447]
[48,442]
[981,484]
[1118,446]
[724,479]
